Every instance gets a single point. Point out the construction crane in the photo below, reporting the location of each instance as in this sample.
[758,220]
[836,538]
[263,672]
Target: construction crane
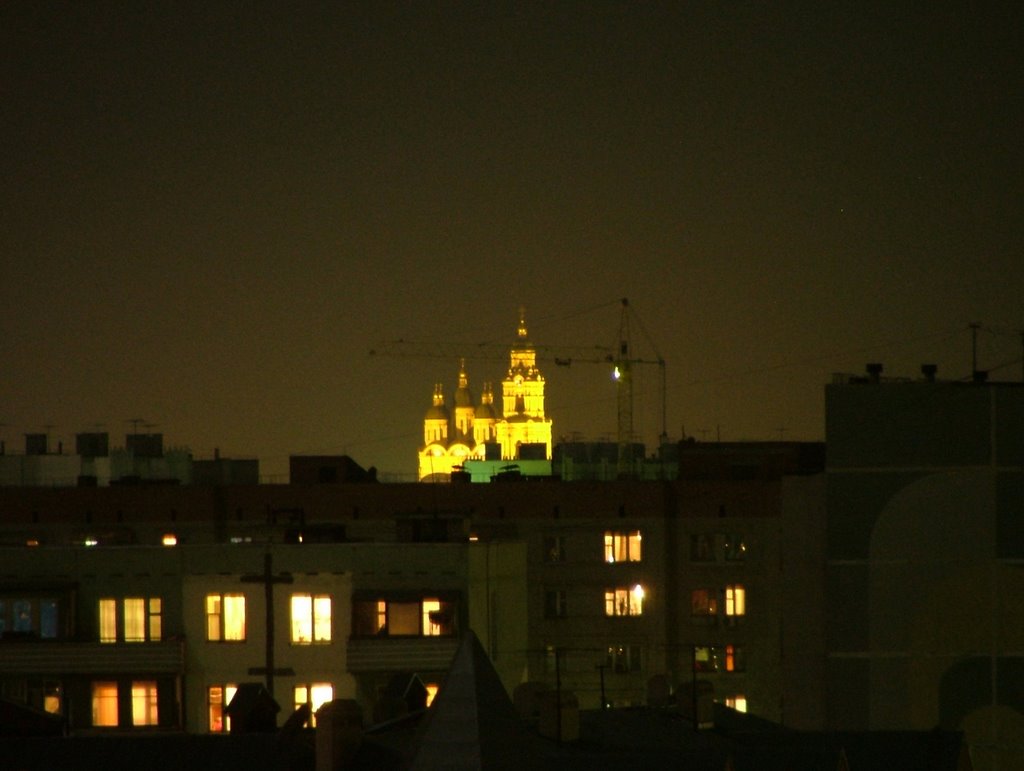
[620,357]
[623,373]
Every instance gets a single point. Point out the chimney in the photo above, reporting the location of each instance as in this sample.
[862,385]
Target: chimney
[339,734]
[874,371]
[929,370]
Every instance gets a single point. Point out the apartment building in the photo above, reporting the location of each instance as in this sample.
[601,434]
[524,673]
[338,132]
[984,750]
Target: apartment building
[923,594]
[596,587]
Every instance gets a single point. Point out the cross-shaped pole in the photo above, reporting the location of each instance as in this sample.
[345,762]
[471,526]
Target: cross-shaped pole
[268,579]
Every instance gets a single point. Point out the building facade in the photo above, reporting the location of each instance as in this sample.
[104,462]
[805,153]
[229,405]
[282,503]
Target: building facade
[595,587]
[923,603]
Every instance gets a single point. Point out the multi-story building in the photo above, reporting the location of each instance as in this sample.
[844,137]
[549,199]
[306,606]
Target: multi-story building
[145,637]
[94,463]
[923,601]
[577,584]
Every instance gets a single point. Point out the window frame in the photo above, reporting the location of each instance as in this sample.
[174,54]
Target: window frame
[309,699]
[624,659]
[735,601]
[211,706]
[218,619]
[376,616]
[624,602]
[319,625]
[105,694]
[623,546]
[555,604]
[145,696]
[720,659]
[145,620]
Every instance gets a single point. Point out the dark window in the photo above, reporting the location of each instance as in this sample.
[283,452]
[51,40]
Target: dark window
[554,603]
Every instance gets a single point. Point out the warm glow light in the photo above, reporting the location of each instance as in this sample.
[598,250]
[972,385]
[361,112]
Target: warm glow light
[31,542]
[616,374]
[108,620]
[104,703]
[144,703]
[430,627]
[431,692]
[638,592]
[91,542]
[170,539]
[474,538]
[738,703]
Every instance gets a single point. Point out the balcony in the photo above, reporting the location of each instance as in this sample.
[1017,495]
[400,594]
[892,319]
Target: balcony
[400,654]
[85,658]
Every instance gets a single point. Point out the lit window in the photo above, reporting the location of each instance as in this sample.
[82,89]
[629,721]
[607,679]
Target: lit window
[311,618]
[156,627]
[735,600]
[140,618]
[737,702]
[108,620]
[431,692]
[622,547]
[170,539]
[624,602]
[144,709]
[52,697]
[104,703]
[314,695]
[431,618]
[225,617]
[218,697]
[134,619]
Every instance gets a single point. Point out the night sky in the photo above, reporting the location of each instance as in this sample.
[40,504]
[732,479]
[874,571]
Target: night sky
[211,213]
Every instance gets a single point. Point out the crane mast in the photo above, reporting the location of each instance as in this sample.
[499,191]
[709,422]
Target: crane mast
[624,362]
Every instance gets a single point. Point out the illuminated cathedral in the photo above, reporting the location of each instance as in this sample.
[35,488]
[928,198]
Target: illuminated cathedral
[467,430]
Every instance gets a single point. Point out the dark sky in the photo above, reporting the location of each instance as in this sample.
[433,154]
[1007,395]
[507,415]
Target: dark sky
[211,212]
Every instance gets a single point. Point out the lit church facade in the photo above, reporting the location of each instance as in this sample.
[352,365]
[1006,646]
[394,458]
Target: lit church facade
[463,430]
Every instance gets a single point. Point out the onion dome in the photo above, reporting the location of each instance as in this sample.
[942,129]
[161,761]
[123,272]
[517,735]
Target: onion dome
[463,396]
[437,410]
[485,410]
